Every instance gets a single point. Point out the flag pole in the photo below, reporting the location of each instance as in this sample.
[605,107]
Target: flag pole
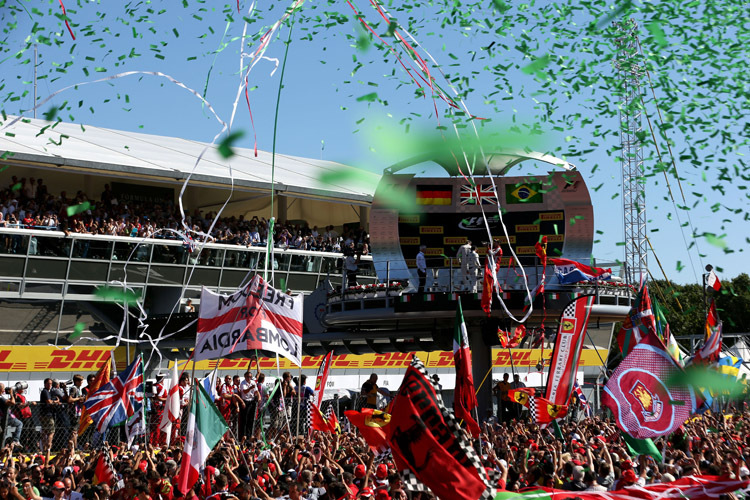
[299,395]
[192,395]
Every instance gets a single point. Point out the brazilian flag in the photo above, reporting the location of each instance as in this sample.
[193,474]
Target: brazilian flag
[526,192]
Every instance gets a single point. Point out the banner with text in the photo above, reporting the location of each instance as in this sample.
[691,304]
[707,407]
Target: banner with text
[566,354]
[255,318]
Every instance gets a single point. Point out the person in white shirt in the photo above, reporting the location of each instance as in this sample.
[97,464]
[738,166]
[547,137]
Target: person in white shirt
[463,257]
[250,394]
[475,267]
[421,268]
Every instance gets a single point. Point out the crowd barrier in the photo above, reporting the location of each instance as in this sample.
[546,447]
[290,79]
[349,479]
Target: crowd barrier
[29,428]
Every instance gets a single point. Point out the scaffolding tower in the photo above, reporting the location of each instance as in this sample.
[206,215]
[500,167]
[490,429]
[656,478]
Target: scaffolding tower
[633,179]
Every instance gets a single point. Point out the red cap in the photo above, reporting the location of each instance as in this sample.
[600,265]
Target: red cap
[382,495]
[272,467]
[382,471]
[626,465]
[629,476]
[360,471]
[143,465]
[366,492]
[58,485]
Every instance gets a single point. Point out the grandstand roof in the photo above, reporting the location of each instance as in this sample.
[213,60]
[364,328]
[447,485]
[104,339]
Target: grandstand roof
[118,153]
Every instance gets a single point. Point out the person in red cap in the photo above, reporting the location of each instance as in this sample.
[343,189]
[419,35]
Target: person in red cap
[58,490]
[381,476]
[382,495]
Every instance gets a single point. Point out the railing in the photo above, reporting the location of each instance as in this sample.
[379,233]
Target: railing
[36,263]
[449,276]
[256,421]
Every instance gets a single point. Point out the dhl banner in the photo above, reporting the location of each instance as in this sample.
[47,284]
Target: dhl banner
[56,359]
[522,358]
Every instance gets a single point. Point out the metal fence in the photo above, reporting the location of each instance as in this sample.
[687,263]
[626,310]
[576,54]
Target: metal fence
[253,422]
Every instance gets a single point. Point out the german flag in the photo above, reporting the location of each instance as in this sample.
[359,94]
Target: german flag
[434,195]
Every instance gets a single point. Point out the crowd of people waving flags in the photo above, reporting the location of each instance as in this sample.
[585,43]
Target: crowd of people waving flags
[659,437]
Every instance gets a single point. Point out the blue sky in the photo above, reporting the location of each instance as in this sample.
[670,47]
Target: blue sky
[322,113]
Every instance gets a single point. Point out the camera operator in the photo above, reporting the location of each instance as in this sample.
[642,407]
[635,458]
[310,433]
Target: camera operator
[8,413]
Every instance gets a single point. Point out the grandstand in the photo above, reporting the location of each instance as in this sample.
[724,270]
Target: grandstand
[49,272]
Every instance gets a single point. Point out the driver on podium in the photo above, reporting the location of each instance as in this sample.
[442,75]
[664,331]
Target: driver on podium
[464,256]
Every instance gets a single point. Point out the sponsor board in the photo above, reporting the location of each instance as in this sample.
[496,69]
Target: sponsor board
[430,229]
[408,219]
[501,358]
[55,359]
[409,240]
[547,216]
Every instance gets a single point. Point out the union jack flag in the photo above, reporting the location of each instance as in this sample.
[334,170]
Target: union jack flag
[482,193]
[582,398]
[118,399]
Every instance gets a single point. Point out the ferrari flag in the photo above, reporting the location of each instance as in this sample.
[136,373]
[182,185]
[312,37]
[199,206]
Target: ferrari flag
[256,317]
[425,438]
[371,424]
[642,403]
[567,352]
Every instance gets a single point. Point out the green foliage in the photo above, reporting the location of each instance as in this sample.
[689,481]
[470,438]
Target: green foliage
[732,303]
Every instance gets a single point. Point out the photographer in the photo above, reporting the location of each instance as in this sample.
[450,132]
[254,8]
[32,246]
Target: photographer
[9,414]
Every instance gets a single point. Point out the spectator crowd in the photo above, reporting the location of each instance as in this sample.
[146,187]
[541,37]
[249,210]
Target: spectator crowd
[266,458]
[27,203]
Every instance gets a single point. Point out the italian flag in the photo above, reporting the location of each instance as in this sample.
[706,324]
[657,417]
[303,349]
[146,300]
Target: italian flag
[464,399]
[205,428]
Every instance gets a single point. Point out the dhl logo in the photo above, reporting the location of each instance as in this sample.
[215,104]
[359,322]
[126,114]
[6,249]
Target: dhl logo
[396,360]
[53,359]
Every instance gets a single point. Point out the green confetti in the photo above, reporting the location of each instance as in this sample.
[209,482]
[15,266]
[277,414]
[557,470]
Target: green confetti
[77,331]
[536,65]
[702,377]
[371,97]
[655,29]
[110,294]
[392,25]
[716,241]
[225,146]
[77,209]
[50,114]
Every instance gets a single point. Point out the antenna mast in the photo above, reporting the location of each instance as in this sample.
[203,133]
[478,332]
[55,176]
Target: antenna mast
[633,180]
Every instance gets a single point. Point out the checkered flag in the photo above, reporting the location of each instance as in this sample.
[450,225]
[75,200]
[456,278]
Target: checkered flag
[570,310]
[532,409]
[411,483]
[308,418]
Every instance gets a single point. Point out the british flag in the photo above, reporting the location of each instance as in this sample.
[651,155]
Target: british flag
[582,398]
[118,399]
[482,193]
